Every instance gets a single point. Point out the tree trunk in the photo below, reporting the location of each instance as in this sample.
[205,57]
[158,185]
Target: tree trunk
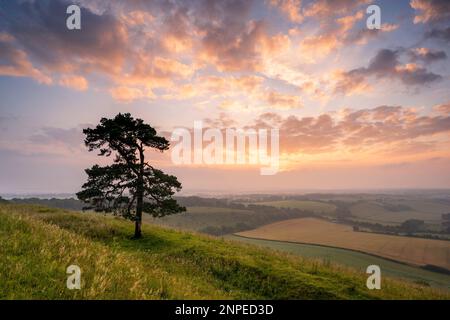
[137,227]
[139,205]
[140,197]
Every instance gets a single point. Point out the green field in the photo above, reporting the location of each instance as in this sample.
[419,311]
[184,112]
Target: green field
[197,218]
[314,206]
[38,243]
[221,221]
[356,260]
[374,212]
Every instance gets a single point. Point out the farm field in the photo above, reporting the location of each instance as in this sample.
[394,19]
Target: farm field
[196,218]
[315,206]
[415,251]
[221,221]
[353,259]
[374,212]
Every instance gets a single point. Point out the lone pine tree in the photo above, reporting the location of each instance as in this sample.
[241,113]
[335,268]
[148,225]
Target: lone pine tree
[129,186]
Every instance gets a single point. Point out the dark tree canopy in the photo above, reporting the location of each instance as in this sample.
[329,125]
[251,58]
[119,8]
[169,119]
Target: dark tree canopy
[129,186]
[413,225]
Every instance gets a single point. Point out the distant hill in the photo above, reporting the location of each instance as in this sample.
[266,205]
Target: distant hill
[70,204]
[38,243]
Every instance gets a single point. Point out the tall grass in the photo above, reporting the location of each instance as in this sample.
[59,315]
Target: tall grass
[38,243]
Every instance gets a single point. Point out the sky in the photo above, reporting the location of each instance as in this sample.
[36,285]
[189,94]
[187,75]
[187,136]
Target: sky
[356,108]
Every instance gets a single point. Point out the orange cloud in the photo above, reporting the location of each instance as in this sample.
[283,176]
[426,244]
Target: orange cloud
[149,72]
[196,49]
[128,94]
[350,83]
[137,18]
[279,100]
[75,82]
[430,10]
[16,62]
[291,8]
[385,64]
[215,86]
[362,131]
[330,37]
[324,9]
[243,51]
[444,109]
[388,27]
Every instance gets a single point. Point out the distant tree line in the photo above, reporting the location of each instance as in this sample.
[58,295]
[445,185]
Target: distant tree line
[396,207]
[342,211]
[68,204]
[411,227]
[222,230]
[75,204]
[446,222]
[408,226]
[194,201]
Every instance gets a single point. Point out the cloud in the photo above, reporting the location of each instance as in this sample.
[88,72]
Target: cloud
[358,130]
[440,34]
[75,82]
[364,35]
[15,62]
[71,139]
[216,86]
[323,9]
[385,64]
[278,100]
[331,35]
[136,45]
[189,49]
[128,94]
[34,23]
[431,10]
[444,109]
[351,82]
[229,85]
[242,49]
[426,55]
[223,121]
[290,8]
[107,45]
[336,32]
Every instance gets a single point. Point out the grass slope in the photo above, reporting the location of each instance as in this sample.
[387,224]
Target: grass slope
[38,244]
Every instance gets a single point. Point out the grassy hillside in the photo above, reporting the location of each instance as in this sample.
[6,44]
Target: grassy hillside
[38,244]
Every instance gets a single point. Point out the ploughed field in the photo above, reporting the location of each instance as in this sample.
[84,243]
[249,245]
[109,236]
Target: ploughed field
[415,251]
